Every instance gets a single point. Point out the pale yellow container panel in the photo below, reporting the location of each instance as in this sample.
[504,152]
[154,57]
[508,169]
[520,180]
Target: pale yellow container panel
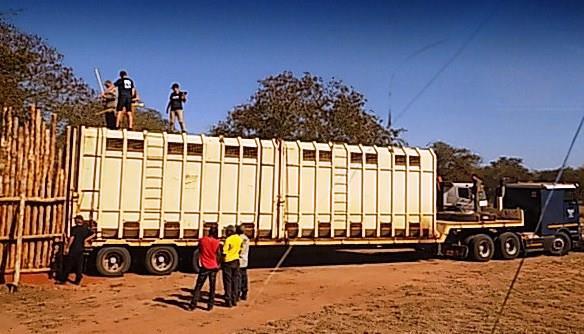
[154,179]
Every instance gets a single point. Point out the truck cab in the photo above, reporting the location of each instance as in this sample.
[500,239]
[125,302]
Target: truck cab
[559,223]
[459,196]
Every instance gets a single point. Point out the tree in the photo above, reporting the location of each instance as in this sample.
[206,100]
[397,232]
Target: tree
[508,167]
[454,163]
[569,175]
[305,108]
[32,72]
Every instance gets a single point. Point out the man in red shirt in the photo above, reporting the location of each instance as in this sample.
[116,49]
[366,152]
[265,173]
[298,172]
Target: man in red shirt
[209,255]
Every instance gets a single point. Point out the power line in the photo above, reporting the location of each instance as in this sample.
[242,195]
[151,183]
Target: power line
[547,201]
[449,62]
[402,63]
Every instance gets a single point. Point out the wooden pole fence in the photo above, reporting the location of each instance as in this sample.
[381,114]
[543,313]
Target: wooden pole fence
[32,192]
[32,200]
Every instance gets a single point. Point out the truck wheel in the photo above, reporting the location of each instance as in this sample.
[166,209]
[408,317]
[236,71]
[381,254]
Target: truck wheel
[161,260]
[113,261]
[481,248]
[196,267]
[508,246]
[560,245]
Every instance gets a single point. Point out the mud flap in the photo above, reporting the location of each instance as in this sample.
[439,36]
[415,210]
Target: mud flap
[456,251]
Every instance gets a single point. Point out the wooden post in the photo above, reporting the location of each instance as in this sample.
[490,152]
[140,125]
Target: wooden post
[16,279]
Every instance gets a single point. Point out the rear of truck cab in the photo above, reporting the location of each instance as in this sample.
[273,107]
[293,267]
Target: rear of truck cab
[551,213]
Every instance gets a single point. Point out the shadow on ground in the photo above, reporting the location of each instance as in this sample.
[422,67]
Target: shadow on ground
[182,300]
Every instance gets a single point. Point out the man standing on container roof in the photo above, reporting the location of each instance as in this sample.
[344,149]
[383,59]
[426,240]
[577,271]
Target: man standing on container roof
[243,261]
[175,106]
[209,254]
[230,266]
[108,98]
[126,93]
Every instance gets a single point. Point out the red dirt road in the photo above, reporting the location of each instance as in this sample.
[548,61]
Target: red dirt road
[428,296]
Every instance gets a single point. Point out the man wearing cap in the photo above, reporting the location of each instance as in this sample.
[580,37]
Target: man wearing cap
[230,266]
[73,250]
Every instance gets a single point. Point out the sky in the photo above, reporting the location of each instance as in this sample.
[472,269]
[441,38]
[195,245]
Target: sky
[502,78]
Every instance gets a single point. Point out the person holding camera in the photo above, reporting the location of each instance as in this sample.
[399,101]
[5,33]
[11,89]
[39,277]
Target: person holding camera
[175,107]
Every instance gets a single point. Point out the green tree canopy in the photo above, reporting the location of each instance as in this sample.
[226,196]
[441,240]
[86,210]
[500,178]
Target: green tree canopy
[507,167]
[33,72]
[455,164]
[306,108]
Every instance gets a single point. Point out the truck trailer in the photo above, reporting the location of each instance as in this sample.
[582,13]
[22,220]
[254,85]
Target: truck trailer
[150,196]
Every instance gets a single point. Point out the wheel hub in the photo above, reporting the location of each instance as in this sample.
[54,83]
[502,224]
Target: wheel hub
[510,247]
[558,244]
[113,263]
[484,249]
[161,261]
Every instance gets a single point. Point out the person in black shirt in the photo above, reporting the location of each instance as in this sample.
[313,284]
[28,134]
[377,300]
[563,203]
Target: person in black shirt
[73,250]
[126,94]
[175,106]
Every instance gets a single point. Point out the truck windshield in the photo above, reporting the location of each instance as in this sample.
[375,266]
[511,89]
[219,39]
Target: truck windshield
[464,192]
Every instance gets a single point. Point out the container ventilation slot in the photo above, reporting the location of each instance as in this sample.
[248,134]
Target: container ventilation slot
[356,158]
[415,161]
[195,149]
[232,151]
[175,148]
[250,152]
[114,144]
[400,160]
[371,158]
[135,145]
[309,155]
[325,156]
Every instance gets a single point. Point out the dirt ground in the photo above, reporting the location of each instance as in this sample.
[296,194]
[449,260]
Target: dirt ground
[391,293]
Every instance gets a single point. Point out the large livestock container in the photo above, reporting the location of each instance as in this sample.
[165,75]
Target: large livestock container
[151,195]
[145,187]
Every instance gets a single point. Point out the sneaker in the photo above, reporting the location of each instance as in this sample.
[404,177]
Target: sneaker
[244,297]
[192,306]
[209,307]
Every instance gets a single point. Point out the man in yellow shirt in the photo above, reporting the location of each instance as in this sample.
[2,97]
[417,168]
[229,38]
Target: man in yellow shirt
[230,266]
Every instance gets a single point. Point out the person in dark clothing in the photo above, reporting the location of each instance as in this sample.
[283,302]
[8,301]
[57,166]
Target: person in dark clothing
[230,266]
[126,94]
[209,255]
[477,190]
[175,107]
[73,250]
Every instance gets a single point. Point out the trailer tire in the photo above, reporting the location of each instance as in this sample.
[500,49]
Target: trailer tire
[481,248]
[196,267]
[161,260]
[560,245]
[508,246]
[113,261]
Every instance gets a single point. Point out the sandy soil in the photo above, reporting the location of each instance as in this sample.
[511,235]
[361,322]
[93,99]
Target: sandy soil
[418,296]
